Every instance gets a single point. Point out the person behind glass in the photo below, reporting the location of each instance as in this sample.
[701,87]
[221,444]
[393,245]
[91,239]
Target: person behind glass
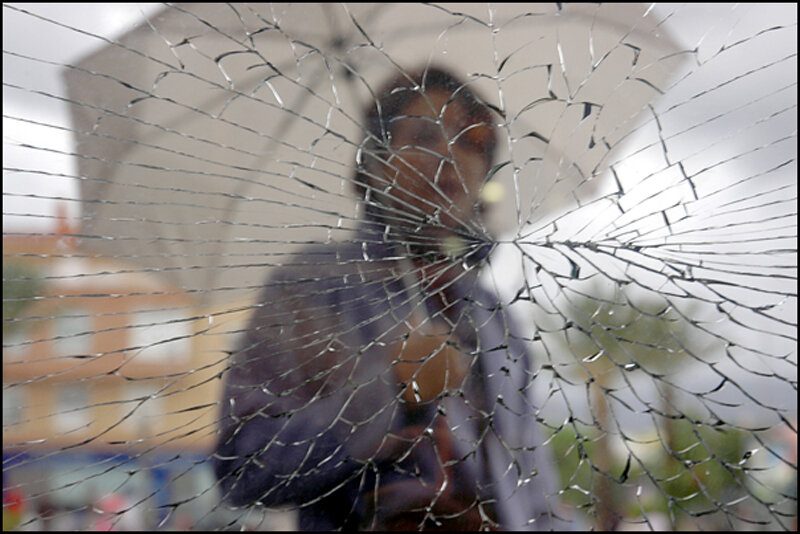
[377,386]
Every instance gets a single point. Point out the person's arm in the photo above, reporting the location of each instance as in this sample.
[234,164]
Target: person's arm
[291,394]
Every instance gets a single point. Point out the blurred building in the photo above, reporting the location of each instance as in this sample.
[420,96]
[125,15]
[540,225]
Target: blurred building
[105,355]
[111,380]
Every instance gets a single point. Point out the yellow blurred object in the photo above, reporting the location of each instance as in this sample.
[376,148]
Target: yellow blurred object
[493,192]
[454,246]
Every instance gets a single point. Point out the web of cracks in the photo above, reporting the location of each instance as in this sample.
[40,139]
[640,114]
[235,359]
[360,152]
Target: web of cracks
[617,295]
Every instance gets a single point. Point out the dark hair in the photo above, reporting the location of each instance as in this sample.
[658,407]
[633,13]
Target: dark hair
[399,93]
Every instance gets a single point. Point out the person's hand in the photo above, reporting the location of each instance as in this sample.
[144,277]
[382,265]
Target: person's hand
[428,360]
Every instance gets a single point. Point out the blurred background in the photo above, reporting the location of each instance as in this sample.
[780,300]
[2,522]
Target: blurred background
[160,160]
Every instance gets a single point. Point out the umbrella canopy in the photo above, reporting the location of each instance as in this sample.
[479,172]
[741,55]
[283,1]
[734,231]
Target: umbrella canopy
[215,139]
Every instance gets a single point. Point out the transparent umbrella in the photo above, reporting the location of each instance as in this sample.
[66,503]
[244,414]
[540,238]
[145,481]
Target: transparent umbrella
[214,139]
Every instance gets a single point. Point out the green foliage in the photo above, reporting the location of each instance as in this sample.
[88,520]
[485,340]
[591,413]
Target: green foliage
[696,474]
[21,283]
[617,330]
[678,469]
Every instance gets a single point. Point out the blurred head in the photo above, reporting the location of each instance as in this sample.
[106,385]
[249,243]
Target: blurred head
[430,146]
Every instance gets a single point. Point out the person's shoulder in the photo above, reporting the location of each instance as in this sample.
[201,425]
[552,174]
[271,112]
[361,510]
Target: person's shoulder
[316,259]
[327,269]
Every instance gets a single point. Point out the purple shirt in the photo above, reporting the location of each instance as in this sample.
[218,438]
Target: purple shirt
[311,404]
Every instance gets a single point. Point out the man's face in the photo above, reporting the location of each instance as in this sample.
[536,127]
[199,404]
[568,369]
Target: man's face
[438,165]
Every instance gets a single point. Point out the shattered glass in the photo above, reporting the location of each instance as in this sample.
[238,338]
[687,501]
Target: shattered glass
[231,301]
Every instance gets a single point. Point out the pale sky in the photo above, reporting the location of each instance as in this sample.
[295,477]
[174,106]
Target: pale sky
[21,35]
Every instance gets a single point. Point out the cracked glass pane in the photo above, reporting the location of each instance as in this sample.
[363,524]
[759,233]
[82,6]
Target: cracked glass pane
[399,266]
